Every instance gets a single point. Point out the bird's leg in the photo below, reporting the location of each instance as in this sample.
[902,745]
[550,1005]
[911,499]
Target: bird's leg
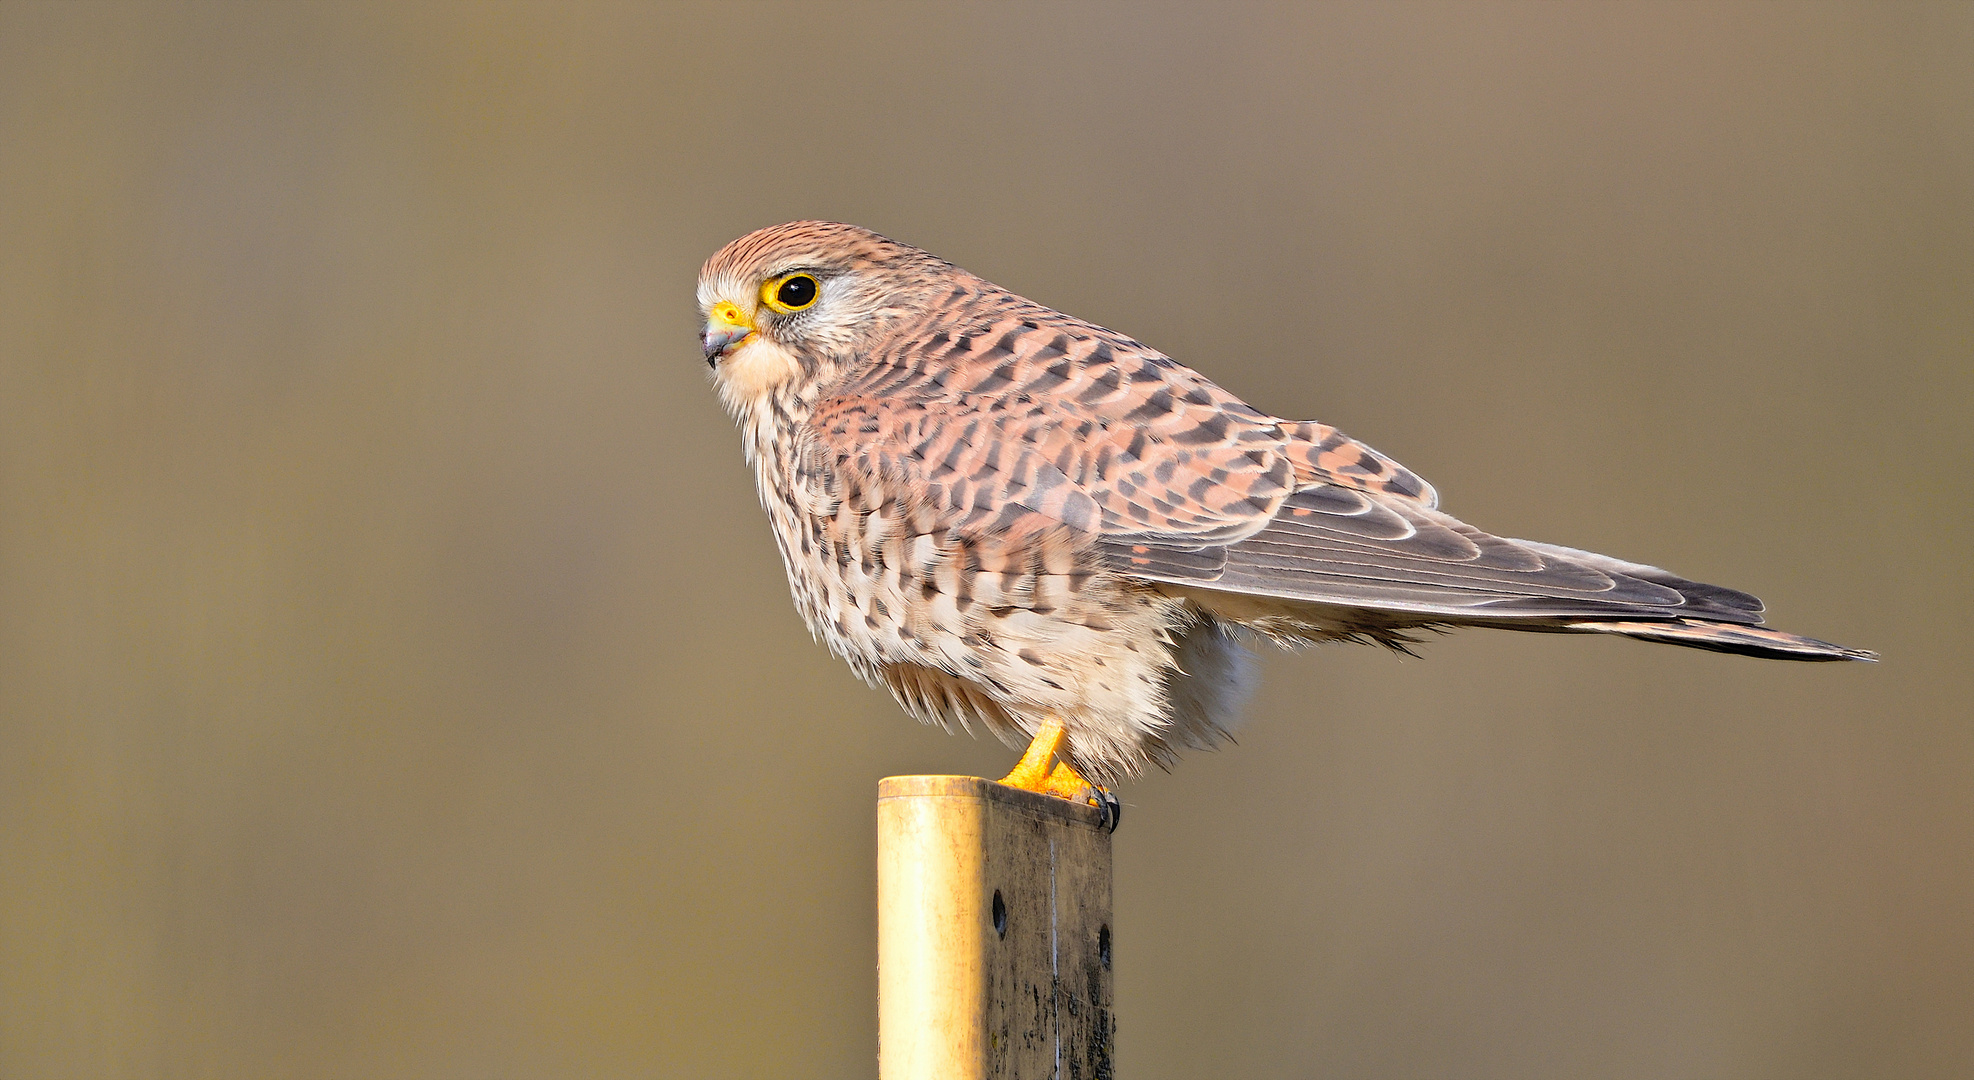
[1044,769]
[1036,771]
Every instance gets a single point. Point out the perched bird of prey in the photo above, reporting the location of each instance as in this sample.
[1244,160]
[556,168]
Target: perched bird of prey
[1016,519]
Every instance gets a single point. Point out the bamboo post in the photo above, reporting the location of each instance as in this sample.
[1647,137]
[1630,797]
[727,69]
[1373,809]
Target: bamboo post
[993,933]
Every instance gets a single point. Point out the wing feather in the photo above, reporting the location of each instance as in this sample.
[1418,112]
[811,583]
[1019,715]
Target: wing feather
[1328,548]
[998,402]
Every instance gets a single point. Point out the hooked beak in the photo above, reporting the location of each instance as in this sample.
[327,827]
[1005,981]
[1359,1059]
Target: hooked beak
[726,327]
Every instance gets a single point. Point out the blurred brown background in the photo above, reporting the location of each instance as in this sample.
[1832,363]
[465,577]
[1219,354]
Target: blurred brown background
[397,678]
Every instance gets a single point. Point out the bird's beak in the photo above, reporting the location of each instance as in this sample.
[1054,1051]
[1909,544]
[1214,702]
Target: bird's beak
[726,326]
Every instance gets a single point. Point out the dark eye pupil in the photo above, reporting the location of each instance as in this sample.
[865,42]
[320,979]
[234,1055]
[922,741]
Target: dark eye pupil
[797,292]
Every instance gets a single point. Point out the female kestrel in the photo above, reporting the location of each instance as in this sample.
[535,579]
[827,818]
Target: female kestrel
[1012,517]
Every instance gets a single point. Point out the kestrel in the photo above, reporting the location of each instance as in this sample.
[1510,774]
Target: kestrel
[1011,517]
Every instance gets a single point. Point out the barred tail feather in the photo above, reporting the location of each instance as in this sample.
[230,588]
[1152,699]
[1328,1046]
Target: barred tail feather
[1729,638]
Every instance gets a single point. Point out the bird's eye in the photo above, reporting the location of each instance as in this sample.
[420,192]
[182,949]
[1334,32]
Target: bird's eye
[791,293]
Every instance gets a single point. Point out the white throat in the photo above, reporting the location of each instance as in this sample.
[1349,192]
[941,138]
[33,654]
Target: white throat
[750,375]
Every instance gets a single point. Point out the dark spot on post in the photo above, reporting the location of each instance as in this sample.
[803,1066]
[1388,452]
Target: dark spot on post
[1001,915]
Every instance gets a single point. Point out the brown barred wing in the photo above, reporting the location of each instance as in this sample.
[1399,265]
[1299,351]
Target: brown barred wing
[1324,455]
[1006,408]
[993,397]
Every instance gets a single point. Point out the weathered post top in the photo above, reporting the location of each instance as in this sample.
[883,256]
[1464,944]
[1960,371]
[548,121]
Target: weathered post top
[993,933]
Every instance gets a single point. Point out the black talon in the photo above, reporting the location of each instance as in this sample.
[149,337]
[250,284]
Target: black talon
[1113,810]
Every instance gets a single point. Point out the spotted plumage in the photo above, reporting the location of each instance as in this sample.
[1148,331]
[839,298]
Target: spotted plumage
[1004,514]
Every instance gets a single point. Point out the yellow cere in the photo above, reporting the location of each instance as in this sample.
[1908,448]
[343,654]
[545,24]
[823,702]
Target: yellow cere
[728,314]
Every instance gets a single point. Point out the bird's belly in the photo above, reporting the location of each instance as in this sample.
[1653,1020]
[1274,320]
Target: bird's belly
[1001,630]
[858,573]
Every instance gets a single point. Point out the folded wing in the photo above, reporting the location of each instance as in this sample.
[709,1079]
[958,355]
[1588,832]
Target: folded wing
[1339,547]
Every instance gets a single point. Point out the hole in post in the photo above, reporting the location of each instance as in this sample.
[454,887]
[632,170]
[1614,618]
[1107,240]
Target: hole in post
[1103,946]
[1001,915]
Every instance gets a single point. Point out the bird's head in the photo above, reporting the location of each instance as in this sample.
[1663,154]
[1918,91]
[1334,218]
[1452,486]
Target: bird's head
[797,303]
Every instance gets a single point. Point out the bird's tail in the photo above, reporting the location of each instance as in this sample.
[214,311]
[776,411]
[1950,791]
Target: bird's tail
[1729,638]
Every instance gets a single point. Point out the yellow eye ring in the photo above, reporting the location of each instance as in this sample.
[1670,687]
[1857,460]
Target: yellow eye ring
[790,293]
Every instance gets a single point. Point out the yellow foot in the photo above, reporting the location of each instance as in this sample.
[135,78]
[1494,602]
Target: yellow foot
[1044,769]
